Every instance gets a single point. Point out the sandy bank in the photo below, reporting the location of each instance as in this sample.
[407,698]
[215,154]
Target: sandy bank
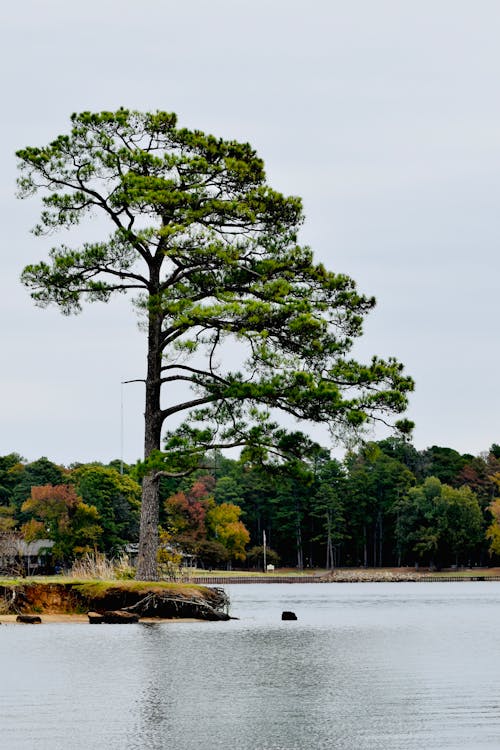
[84,620]
[73,599]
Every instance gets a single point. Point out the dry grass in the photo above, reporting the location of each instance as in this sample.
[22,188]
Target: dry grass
[96,566]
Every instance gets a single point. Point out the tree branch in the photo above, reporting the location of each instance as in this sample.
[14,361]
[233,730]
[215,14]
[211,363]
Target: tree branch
[187,405]
[195,371]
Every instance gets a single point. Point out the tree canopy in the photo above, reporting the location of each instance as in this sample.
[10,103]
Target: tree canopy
[58,513]
[368,509]
[233,306]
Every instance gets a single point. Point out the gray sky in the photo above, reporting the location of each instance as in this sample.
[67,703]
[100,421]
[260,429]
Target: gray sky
[383,115]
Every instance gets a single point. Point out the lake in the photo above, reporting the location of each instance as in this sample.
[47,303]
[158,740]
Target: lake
[396,666]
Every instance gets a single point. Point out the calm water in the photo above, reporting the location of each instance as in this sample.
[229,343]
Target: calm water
[366,666]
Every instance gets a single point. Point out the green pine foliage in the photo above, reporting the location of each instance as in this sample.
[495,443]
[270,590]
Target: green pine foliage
[211,254]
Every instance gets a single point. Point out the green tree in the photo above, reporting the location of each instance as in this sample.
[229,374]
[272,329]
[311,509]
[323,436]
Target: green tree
[328,506]
[464,521]
[376,482]
[444,463]
[257,490]
[292,500]
[211,253]
[117,499]
[58,513]
[228,490]
[211,553]
[404,452]
[439,522]
[258,554]
[420,521]
[495,450]
[10,468]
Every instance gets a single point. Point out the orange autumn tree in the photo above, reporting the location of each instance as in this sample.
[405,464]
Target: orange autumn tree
[194,520]
[61,515]
[186,512]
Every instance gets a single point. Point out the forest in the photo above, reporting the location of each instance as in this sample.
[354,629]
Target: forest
[385,504]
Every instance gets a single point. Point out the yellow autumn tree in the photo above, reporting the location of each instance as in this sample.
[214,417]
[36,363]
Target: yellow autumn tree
[493,531]
[224,525]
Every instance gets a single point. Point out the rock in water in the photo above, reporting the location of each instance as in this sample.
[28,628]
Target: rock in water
[95,618]
[119,616]
[288,616]
[29,619]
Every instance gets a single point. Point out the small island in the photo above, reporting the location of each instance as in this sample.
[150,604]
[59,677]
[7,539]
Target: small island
[158,600]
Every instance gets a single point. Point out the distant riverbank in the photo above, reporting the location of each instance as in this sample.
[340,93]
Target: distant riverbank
[346,575]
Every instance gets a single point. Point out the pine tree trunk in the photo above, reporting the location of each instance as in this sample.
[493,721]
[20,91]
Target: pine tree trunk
[329,548]
[380,538]
[150,508]
[148,540]
[300,555]
[329,554]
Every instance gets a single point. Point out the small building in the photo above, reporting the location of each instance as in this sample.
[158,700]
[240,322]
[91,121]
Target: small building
[20,557]
[188,561]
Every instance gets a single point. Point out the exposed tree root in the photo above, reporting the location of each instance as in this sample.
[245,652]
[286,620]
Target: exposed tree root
[165,605]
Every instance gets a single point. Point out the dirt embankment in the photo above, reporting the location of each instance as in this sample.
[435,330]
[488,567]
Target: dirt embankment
[146,599]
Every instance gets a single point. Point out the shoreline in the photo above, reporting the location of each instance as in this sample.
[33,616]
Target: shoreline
[346,575]
[84,620]
[72,601]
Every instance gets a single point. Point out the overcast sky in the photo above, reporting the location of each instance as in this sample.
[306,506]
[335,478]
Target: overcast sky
[383,115]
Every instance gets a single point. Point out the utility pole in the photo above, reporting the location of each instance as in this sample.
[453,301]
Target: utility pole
[121,427]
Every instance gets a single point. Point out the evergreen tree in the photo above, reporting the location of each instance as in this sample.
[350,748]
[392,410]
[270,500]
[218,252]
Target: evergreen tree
[211,253]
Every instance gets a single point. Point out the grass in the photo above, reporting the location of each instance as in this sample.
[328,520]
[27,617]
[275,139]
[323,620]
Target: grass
[99,587]
[132,584]
[279,572]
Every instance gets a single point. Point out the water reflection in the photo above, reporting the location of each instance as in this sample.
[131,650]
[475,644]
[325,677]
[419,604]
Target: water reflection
[369,666]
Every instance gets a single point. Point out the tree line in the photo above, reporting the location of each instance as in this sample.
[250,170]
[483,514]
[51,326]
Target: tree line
[384,504]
